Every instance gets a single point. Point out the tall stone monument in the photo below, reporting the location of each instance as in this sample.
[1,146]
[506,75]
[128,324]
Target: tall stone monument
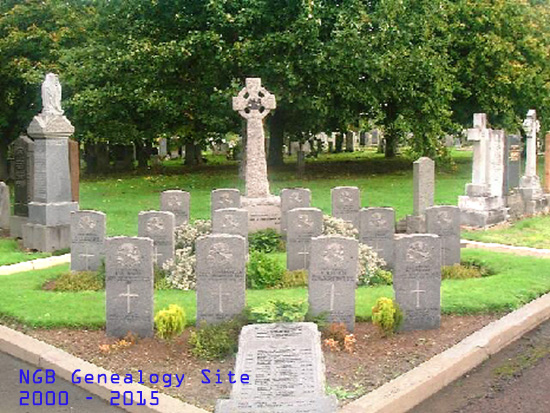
[48,228]
[423,194]
[254,103]
[484,203]
[22,175]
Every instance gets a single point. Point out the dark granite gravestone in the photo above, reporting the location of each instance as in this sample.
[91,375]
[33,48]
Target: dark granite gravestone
[512,162]
[377,230]
[23,154]
[87,240]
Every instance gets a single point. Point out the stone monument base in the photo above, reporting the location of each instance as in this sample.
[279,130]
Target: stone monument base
[52,214]
[263,213]
[482,211]
[46,238]
[311,404]
[416,224]
[16,226]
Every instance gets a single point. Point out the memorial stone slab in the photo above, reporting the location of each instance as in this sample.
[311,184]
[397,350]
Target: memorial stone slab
[349,141]
[160,227]
[417,280]
[23,155]
[87,240]
[512,156]
[285,366]
[221,277]
[176,202]
[225,198]
[129,286]
[304,224]
[445,222]
[230,221]
[293,198]
[377,230]
[5,206]
[346,202]
[424,185]
[333,278]
[74,167]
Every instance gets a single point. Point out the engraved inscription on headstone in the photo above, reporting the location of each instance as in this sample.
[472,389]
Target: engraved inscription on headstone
[159,226]
[176,202]
[303,225]
[445,222]
[346,202]
[230,221]
[225,198]
[129,286]
[417,280]
[87,240]
[333,278]
[290,199]
[377,230]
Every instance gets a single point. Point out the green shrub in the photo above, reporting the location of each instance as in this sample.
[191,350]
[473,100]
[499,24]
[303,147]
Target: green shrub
[170,322]
[161,282]
[296,278]
[381,277]
[263,271]
[215,341]
[62,251]
[267,240]
[387,316]
[79,281]
[279,311]
[465,270]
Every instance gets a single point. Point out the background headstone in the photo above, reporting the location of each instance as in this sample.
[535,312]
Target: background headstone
[512,156]
[303,225]
[129,286]
[445,222]
[221,277]
[349,141]
[377,230]
[160,227]
[232,221]
[176,202]
[424,185]
[23,156]
[225,198]
[346,202]
[285,366]
[333,278]
[87,240]
[417,280]
[74,167]
[293,198]
[5,206]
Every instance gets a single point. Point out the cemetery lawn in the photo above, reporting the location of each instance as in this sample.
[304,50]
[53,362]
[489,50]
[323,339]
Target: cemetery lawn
[529,232]
[11,253]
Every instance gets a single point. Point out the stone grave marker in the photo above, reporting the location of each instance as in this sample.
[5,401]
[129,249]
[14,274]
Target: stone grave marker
[230,221]
[74,168]
[160,227]
[530,181]
[512,156]
[293,198]
[423,194]
[547,164]
[346,202]
[221,277]
[177,202]
[5,206]
[377,230]
[87,240]
[23,155]
[129,286]
[304,224]
[333,278]
[285,366]
[349,141]
[445,222]
[417,280]
[225,198]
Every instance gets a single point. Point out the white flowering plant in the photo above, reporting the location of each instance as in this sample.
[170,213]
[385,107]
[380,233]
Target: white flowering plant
[187,234]
[337,226]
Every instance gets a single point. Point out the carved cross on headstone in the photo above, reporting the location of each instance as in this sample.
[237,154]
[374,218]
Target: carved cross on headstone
[531,126]
[86,256]
[332,295]
[479,135]
[156,255]
[128,296]
[305,254]
[254,103]
[418,291]
[219,294]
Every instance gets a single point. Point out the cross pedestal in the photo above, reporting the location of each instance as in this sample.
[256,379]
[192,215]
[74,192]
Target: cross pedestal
[529,183]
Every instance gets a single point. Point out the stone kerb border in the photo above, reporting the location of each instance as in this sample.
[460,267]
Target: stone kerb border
[38,264]
[526,251]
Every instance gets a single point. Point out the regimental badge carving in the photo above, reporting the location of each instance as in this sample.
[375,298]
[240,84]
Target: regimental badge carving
[174,202]
[295,198]
[226,200]
[304,221]
[378,221]
[155,225]
[219,254]
[444,219]
[418,252]
[334,255]
[346,197]
[229,221]
[128,255]
[86,223]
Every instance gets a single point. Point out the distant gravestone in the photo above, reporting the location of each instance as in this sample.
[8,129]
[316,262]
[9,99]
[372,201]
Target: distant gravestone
[417,280]
[346,202]
[129,286]
[332,278]
[87,240]
[160,227]
[303,225]
[232,221]
[375,137]
[177,202]
[512,163]
[293,198]
[285,366]
[225,198]
[445,222]
[221,277]
[4,206]
[377,230]
[349,141]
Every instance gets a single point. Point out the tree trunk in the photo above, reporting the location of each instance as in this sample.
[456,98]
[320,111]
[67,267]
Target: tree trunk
[339,142]
[90,157]
[391,139]
[276,141]
[143,153]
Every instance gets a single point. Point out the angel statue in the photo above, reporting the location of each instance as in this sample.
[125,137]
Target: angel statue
[51,95]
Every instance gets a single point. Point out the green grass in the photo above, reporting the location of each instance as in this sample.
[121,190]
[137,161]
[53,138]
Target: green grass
[530,232]
[10,253]
[519,280]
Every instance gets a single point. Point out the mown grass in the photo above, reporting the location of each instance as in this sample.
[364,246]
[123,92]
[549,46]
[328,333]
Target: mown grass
[519,280]
[10,253]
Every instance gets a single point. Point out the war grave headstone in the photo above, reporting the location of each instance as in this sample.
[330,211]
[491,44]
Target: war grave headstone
[377,230]
[221,277]
[48,226]
[254,103]
[304,224]
[87,240]
[423,194]
[4,206]
[285,368]
[230,221]
[177,202]
[160,227]
[22,175]
[484,203]
[417,280]
[346,202]
[445,222]
[224,198]
[129,286]
[293,198]
[333,278]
